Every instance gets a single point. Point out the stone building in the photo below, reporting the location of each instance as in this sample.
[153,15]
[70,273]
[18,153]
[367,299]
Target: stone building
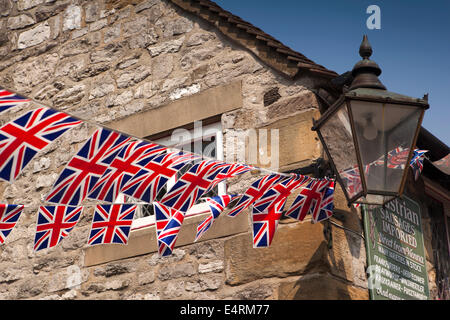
[145,68]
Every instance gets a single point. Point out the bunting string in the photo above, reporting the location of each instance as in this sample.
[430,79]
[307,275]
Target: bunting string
[111,162]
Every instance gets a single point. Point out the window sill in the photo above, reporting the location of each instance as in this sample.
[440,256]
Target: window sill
[142,238]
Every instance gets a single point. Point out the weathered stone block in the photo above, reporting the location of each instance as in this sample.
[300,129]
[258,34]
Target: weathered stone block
[294,128]
[20,21]
[320,287]
[34,36]
[72,18]
[297,248]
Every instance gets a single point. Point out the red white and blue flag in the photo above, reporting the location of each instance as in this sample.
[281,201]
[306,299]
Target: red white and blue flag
[267,210]
[54,223]
[254,192]
[231,171]
[168,224]
[417,162]
[85,169]
[122,169]
[265,224]
[352,181]
[154,173]
[111,223]
[309,199]
[326,205]
[192,185]
[22,138]
[9,100]
[280,192]
[216,205]
[9,215]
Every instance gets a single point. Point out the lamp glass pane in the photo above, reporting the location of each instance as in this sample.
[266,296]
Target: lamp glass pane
[385,133]
[337,135]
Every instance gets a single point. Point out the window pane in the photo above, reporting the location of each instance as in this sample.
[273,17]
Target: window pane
[337,134]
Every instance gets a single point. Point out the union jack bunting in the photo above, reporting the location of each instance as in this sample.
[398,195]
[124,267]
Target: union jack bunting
[396,158]
[279,192]
[111,223]
[254,192]
[192,185]
[417,162]
[326,205]
[22,138]
[168,224]
[216,206]
[154,173]
[309,199]
[10,99]
[122,169]
[9,215]
[85,169]
[54,223]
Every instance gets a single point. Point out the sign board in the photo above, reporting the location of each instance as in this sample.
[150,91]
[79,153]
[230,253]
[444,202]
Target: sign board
[395,251]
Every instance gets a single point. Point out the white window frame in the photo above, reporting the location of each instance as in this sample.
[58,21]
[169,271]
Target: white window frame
[214,129]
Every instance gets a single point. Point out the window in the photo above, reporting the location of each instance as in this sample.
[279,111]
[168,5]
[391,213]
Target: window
[205,140]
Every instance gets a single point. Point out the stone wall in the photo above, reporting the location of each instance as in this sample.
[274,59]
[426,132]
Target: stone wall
[106,60]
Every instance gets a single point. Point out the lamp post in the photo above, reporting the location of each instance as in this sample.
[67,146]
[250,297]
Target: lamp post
[369,135]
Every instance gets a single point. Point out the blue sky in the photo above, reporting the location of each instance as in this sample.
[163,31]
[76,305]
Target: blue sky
[412,47]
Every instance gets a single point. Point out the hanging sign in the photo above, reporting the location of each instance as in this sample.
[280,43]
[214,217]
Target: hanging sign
[395,251]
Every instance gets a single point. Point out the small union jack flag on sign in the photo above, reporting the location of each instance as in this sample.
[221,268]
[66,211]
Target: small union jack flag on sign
[9,99]
[417,162]
[9,215]
[155,171]
[83,171]
[122,169]
[54,223]
[326,205]
[216,206]
[111,223]
[192,185]
[168,224]
[254,192]
[23,138]
[308,200]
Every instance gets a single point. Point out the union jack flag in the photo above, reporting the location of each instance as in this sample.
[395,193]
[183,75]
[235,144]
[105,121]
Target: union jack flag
[154,173]
[417,162]
[23,138]
[279,193]
[326,205]
[54,223]
[216,206]
[352,181]
[231,171]
[9,215]
[265,224]
[254,192]
[309,200]
[192,185]
[122,169]
[111,223]
[10,99]
[84,170]
[168,224]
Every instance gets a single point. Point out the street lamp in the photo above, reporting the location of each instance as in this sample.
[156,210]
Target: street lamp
[369,135]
